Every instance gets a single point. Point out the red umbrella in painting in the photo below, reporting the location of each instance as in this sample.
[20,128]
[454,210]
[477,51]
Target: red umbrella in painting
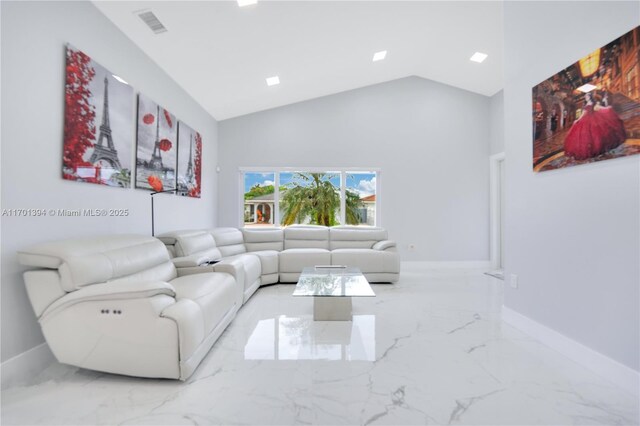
[165,145]
[167,116]
[155,183]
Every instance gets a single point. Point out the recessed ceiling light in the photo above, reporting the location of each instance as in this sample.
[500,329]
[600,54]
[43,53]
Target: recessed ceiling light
[586,88]
[478,57]
[378,56]
[119,79]
[272,81]
[243,3]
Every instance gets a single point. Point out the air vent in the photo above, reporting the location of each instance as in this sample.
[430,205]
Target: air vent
[152,21]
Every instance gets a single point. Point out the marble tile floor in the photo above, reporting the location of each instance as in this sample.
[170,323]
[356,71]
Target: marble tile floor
[430,349]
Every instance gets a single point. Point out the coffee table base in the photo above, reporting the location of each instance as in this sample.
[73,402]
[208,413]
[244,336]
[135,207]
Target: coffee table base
[332,309]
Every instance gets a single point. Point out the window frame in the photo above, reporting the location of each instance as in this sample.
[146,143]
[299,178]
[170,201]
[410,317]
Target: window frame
[344,171]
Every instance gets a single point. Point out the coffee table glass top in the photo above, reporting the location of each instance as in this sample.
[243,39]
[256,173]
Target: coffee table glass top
[334,282]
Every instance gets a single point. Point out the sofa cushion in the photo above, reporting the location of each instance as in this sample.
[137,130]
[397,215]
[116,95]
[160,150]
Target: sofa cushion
[215,293]
[268,261]
[306,236]
[87,261]
[355,236]
[189,244]
[170,238]
[367,260]
[269,279]
[294,260]
[229,241]
[263,239]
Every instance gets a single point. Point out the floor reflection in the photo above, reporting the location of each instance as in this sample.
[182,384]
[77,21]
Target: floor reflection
[301,338]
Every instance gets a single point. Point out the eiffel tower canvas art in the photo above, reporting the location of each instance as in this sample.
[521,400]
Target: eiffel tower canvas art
[98,123]
[189,161]
[156,152]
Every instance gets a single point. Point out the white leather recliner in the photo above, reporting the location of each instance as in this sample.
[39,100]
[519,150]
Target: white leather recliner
[266,243]
[195,252]
[367,248]
[116,304]
[304,245]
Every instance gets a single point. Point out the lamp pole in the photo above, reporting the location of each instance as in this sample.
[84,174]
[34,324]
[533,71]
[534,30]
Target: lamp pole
[153,233]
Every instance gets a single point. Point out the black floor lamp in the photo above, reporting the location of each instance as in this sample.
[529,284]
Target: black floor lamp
[153,231]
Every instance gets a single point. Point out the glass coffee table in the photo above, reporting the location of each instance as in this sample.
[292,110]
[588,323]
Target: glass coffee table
[332,289]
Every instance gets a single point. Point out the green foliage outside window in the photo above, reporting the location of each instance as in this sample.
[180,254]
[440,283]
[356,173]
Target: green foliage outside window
[312,198]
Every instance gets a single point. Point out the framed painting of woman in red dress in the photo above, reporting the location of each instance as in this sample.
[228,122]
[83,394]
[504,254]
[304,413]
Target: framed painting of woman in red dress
[590,111]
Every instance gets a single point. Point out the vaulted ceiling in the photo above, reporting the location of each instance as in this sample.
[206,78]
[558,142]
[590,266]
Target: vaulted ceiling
[221,54]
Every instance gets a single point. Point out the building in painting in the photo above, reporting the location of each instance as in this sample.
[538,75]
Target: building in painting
[607,76]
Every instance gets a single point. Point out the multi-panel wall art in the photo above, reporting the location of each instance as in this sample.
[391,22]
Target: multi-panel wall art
[98,134]
[590,111]
[189,161]
[157,148]
[98,123]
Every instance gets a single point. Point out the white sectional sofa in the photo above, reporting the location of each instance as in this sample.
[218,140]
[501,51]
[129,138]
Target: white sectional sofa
[117,304]
[284,252]
[140,306]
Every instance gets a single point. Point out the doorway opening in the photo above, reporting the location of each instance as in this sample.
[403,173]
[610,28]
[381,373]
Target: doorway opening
[496,211]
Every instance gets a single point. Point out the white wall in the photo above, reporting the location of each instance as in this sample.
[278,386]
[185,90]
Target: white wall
[431,142]
[572,234]
[496,127]
[33,53]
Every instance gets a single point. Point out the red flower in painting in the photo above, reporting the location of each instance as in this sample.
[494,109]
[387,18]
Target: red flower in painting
[79,114]
[155,183]
[148,119]
[165,145]
[197,164]
[167,116]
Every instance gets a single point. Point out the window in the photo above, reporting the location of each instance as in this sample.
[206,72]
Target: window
[361,198]
[303,196]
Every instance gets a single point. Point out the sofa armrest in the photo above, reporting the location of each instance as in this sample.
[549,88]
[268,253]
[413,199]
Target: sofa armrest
[384,245]
[202,269]
[236,269]
[111,291]
[233,267]
[188,317]
[192,260]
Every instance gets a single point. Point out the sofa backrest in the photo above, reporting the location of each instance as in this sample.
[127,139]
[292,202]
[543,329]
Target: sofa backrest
[256,239]
[190,242]
[229,241]
[198,242]
[355,236]
[86,261]
[306,236]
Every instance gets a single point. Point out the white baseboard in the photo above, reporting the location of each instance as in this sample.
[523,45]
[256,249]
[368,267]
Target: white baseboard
[619,374]
[24,367]
[466,264]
